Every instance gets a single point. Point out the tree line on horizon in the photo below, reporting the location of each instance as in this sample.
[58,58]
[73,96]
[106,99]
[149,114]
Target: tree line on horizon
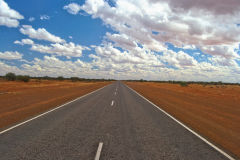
[186,83]
[26,78]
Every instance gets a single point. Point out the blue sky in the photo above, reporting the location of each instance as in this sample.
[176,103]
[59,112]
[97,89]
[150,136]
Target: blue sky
[122,39]
[84,29]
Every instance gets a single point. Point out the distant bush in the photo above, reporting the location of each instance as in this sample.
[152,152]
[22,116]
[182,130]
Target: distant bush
[74,79]
[142,80]
[23,78]
[183,84]
[10,76]
[46,78]
[60,78]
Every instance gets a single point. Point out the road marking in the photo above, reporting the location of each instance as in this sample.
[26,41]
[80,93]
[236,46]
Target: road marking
[112,103]
[115,93]
[97,157]
[183,125]
[17,125]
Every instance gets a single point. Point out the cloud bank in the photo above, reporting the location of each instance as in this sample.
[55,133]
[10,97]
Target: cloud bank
[150,39]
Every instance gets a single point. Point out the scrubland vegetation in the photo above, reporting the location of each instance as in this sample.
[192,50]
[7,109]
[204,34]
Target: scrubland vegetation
[187,83]
[26,78]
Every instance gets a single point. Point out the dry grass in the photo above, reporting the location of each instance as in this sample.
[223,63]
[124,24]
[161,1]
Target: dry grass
[19,100]
[212,111]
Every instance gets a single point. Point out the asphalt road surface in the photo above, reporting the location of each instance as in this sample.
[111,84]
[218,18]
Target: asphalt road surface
[129,127]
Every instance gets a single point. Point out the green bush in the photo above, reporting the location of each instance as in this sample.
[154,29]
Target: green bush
[183,84]
[10,76]
[47,78]
[23,78]
[74,79]
[60,78]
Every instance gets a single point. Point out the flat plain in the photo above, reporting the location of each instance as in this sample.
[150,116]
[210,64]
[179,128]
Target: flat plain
[211,110]
[130,129]
[19,100]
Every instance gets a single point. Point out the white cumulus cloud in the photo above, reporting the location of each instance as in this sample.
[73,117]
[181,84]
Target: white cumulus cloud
[40,34]
[9,17]
[24,41]
[8,55]
[66,49]
[59,49]
[31,19]
[72,8]
[44,17]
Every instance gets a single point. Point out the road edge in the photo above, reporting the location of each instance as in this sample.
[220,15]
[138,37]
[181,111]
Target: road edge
[183,125]
[51,110]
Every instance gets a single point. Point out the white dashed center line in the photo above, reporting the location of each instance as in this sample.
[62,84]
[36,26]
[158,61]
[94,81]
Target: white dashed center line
[97,157]
[112,103]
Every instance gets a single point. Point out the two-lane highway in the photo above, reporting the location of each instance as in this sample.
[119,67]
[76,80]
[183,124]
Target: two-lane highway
[128,126]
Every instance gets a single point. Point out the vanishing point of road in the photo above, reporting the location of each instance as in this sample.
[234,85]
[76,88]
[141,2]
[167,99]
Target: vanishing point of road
[124,125]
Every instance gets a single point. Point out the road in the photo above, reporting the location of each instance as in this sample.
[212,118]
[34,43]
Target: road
[129,127]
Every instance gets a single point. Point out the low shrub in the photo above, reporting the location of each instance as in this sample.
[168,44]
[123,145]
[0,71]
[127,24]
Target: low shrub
[60,78]
[183,84]
[74,79]
[23,78]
